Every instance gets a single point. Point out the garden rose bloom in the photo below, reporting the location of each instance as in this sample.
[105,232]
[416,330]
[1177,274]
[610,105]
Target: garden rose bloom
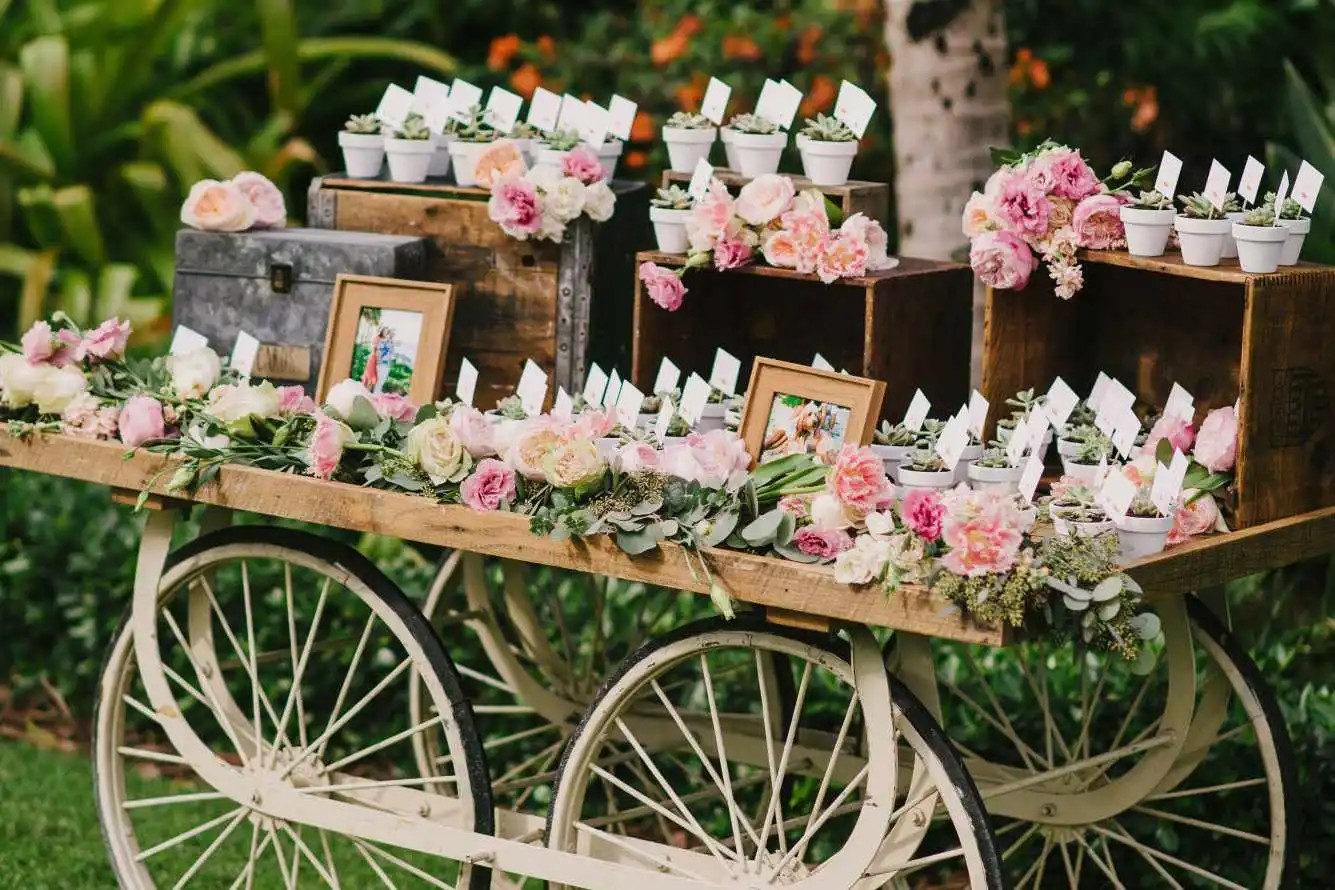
[292,400]
[500,159]
[235,406]
[712,459]
[1068,276]
[57,387]
[86,418]
[194,373]
[1072,178]
[1179,433]
[215,206]
[636,457]
[858,479]
[434,447]
[325,451]
[599,202]
[1097,222]
[473,429]
[530,449]
[18,378]
[797,504]
[980,215]
[764,198]
[491,484]
[395,406]
[710,217]
[923,512]
[824,543]
[270,208]
[1196,518]
[342,397]
[845,256]
[827,512]
[870,232]
[862,563]
[880,523]
[566,200]
[592,423]
[1022,207]
[981,545]
[1217,441]
[141,421]
[663,286]
[1059,214]
[573,464]
[780,249]
[1001,260]
[729,253]
[514,206]
[39,343]
[107,341]
[582,163]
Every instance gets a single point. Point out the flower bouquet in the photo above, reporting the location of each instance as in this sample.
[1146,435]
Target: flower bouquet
[539,203]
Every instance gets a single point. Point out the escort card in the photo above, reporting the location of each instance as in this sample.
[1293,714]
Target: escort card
[187,340]
[1216,184]
[778,102]
[1250,182]
[769,96]
[503,109]
[1018,443]
[820,363]
[613,391]
[1280,194]
[594,124]
[572,113]
[700,179]
[565,406]
[544,109]
[664,420]
[1167,486]
[1180,404]
[1116,494]
[1125,430]
[429,94]
[1170,168]
[595,384]
[669,375]
[854,107]
[1306,186]
[917,411]
[694,396]
[1060,402]
[978,406]
[395,106]
[1096,394]
[726,369]
[463,96]
[621,117]
[243,354]
[954,438]
[629,402]
[532,388]
[1033,472]
[715,104]
[466,387]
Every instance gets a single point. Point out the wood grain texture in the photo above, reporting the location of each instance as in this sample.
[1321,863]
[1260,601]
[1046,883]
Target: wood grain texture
[855,196]
[917,336]
[1171,263]
[286,364]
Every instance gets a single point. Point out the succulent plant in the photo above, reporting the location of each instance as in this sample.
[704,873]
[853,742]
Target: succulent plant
[363,124]
[1291,209]
[1023,403]
[894,435]
[673,197]
[414,127]
[929,433]
[924,460]
[1259,216]
[1198,206]
[562,140]
[524,130]
[828,129]
[511,407]
[688,120]
[1096,448]
[1152,200]
[1079,432]
[475,128]
[754,124]
[995,458]
[1231,203]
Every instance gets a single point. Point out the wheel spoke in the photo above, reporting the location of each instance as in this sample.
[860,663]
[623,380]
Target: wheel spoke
[1202,824]
[278,853]
[384,743]
[187,835]
[662,811]
[375,866]
[369,785]
[911,865]
[1170,860]
[211,849]
[801,845]
[1154,863]
[257,848]
[1031,757]
[663,863]
[167,799]
[735,813]
[211,703]
[1094,857]
[249,662]
[837,749]
[406,866]
[1020,841]
[1037,868]
[158,756]
[329,858]
[1209,789]
[347,678]
[298,665]
[775,812]
[309,856]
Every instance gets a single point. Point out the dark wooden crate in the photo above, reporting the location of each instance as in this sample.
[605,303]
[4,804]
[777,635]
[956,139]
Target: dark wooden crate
[1266,340]
[869,198]
[908,326]
[561,305]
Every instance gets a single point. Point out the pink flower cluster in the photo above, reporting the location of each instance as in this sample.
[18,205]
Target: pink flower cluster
[712,459]
[248,200]
[858,481]
[106,342]
[539,203]
[984,531]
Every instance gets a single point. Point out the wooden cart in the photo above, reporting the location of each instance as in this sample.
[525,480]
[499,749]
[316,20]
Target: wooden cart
[790,747]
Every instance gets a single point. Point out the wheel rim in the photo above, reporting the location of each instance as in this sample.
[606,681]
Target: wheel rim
[319,703]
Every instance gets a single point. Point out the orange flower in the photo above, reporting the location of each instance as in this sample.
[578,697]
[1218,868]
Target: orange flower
[1020,70]
[547,46]
[668,49]
[806,44]
[502,51]
[526,79]
[1146,111]
[1030,69]
[822,95]
[690,95]
[689,25]
[740,46]
[1039,75]
[1024,127]
[643,130]
[637,159]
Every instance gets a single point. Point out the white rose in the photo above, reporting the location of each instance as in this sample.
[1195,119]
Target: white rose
[231,404]
[194,373]
[343,397]
[217,207]
[434,447]
[544,178]
[57,387]
[880,525]
[599,201]
[828,514]
[762,199]
[553,228]
[863,563]
[566,200]
[196,433]
[18,379]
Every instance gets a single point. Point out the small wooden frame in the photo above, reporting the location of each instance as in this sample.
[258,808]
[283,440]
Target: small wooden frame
[353,294]
[824,391]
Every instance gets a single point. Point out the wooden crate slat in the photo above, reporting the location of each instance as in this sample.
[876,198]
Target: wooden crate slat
[872,199]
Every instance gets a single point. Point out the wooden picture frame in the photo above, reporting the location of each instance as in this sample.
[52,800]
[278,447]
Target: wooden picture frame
[771,378]
[431,301]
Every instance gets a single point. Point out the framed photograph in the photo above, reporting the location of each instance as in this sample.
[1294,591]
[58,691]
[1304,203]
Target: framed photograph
[795,409]
[390,334]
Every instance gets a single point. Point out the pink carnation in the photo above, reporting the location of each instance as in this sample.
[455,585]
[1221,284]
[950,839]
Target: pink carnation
[583,164]
[1071,176]
[1179,433]
[845,256]
[270,208]
[394,406]
[1023,207]
[1097,222]
[663,286]
[141,420]
[1195,518]
[1217,441]
[491,484]
[980,545]
[325,451]
[729,253]
[824,543]
[858,481]
[87,418]
[515,207]
[292,400]
[710,217]
[923,512]
[1002,260]
[39,344]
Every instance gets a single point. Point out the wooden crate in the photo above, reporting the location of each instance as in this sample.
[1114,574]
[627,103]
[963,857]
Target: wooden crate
[870,198]
[1266,340]
[908,326]
[560,305]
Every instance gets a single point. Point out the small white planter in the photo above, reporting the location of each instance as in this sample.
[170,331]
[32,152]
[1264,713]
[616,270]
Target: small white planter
[1201,240]
[827,163]
[1028,518]
[440,161]
[892,456]
[1259,247]
[363,153]
[465,155]
[1005,479]
[1079,472]
[1146,230]
[409,159]
[725,136]
[608,153]
[525,149]
[1230,243]
[1139,536]
[909,480]
[670,228]
[759,153]
[970,454]
[687,147]
[1069,527]
[1293,245]
[711,418]
[1068,447]
[549,157]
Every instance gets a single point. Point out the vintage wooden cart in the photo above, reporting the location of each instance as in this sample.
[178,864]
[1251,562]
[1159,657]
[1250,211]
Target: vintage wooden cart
[794,746]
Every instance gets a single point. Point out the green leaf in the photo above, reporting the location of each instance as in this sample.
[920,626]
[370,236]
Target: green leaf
[1107,589]
[1163,452]
[78,221]
[1109,611]
[1146,625]
[1001,157]
[788,551]
[46,72]
[1075,605]
[787,526]
[279,41]
[639,542]
[363,415]
[763,529]
[720,528]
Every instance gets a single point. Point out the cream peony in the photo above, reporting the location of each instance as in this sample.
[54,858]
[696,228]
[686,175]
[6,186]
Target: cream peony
[434,447]
[574,464]
[57,387]
[863,563]
[235,406]
[566,201]
[343,396]
[18,379]
[264,196]
[599,201]
[194,373]
[217,207]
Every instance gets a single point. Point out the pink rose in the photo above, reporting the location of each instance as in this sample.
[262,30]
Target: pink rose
[710,217]
[923,512]
[292,400]
[270,208]
[780,249]
[514,206]
[394,406]
[1071,176]
[764,198]
[845,256]
[1067,276]
[636,457]
[797,504]
[491,484]
[1177,431]
[979,215]
[592,423]
[1195,518]
[1023,207]
[858,480]
[824,543]
[473,430]
[217,207]
[663,286]
[325,451]
[107,341]
[730,253]
[141,421]
[1002,260]
[1097,222]
[582,163]
[86,418]
[870,232]
[39,344]
[1217,441]
[498,161]
[710,459]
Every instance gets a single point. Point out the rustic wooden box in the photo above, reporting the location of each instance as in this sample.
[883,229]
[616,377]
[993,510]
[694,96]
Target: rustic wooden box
[1268,340]
[560,305]
[869,198]
[908,326]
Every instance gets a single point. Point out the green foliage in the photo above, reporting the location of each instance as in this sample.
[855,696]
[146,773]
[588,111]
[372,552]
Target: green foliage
[828,129]
[688,120]
[674,197]
[1197,206]
[752,124]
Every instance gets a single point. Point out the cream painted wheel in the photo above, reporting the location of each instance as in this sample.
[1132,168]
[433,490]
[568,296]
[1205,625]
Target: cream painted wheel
[681,765]
[227,805]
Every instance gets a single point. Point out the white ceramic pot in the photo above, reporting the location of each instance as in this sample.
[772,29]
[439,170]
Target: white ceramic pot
[363,153]
[608,153]
[548,157]
[1139,536]
[1087,529]
[1005,479]
[892,456]
[827,163]
[970,454]
[1146,230]
[1079,472]
[711,418]
[670,228]
[409,159]
[725,135]
[915,479]
[1231,244]
[525,149]
[687,147]
[1201,240]
[1293,245]
[759,153]
[1068,447]
[1259,247]
[465,155]
[1003,433]
[1028,518]
[440,161]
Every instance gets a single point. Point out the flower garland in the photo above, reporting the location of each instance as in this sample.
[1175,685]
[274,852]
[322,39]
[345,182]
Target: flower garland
[539,203]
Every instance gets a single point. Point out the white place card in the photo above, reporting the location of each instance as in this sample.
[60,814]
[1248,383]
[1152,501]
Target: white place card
[701,177]
[503,109]
[564,406]
[768,99]
[694,397]
[1180,403]
[1116,494]
[572,113]
[544,109]
[1250,182]
[715,104]
[1101,473]
[1280,194]
[726,369]
[463,96]
[1167,485]
[1018,443]
[1059,402]
[594,123]
[1307,185]
[595,384]
[669,375]
[1216,184]
[1029,478]
[664,419]
[1096,394]
[978,406]
[629,402]
[1125,430]
[1170,168]
[395,106]
[428,94]
[466,388]
[244,351]
[821,363]
[187,340]
[854,107]
[614,383]
[954,438]
[917,411]
[532,388]
[621,117]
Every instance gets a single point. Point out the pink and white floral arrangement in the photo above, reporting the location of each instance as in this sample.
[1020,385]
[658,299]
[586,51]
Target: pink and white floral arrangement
[770,222]
[538,203]
[248,200]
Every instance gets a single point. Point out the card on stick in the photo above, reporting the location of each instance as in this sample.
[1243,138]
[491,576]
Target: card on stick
[564,405]
[187,340]
[465,389]
[727,367]
[544,109]
[701,177]
[1059,403]
[1216,185]
[595,384]
[854,106]
[694,397]
[917,411]
[532,388]
[821,363]
[503,109]
[1307,185]
[621,117]
[395,106]
[1250,182]
[614,384]
[629,402]
[715,104]
[669,375]
[244,352]
[1170,168]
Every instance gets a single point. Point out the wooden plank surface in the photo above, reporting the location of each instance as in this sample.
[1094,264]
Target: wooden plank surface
[907,266]
[1171,263]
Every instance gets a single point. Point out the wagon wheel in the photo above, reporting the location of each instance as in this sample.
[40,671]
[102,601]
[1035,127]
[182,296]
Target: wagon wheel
[309,642]
[672,769]
[1180,778]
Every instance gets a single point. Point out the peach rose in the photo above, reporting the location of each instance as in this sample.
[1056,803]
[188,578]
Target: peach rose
[575,464]
[530,449]
[499,160]
[780,249]
[214,206]
[270,208]
[845,256]
[765,198]
[979,215]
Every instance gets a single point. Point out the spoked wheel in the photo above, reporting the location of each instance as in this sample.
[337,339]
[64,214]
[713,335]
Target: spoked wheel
[1098,777]
[686,764]
[287,658]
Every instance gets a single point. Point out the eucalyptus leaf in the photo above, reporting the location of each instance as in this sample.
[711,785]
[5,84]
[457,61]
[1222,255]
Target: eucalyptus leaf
[1074,605]
[1108,588]
[787,527]
[639,542]
[1146,625]
[763,529]
[1109,612]
[645,508]
[1144,662]
[788,551]
[363,415]
[668,528]
[718,529]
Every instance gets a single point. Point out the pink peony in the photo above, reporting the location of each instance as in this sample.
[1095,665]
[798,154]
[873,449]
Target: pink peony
[492,483]
[394,406]
[1217,441]
[292,400]
[497,161]
[141,421]
[710,218]
[592,423]
[325,451]
[270,208]
[858,481]
[845,256]
[923,512]
[765,198]
[474,431]
[979,215]
[86,418]
[635,457]
[797,504]
[780,249]
[1067,276]
[1022,207]
[1071,177]
[107,341]
[980,545]
[1177,431]
[663,286]
[1097,222]
[730,253]
[217,207]
[583,164]
[1002,260]
[1195,518]
[39,344]
[515,207]
[824,543]
[710,459]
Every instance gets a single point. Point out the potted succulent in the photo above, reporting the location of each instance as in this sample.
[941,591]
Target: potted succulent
[994,471]
[729,147]
[923,468]
[1201,230]
[363,146]
[1297,224]
[553,148]
[827,146]
[1022,404]
[409,151]
[651,405]
[471,139]
[1074,512]
[689,138]
[1233,213]
[1075,435]
[892,444]
[715,410]
[1148,220]
[973,450]
[608,153]
[1260,241]
[668,211]
[1143,531]
[440,161]
[759,144]
[524,136]
[1084,464]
